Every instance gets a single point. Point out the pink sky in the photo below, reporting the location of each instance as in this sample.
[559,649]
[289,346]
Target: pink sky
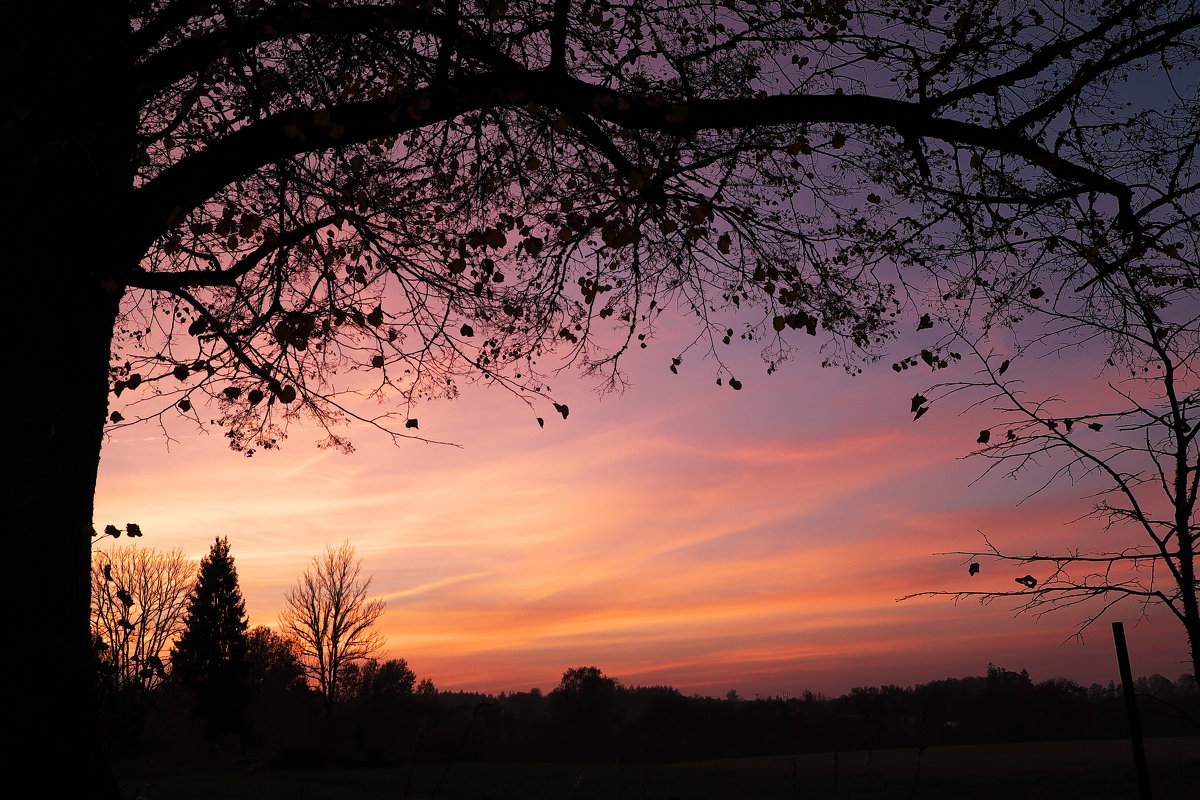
[681,533]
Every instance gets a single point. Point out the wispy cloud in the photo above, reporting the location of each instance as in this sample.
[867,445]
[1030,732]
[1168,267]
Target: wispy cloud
[682,534]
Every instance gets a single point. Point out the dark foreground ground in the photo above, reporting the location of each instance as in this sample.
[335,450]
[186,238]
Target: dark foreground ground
[1091,770]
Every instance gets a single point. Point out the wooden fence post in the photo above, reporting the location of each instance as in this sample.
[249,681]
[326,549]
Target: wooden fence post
[1131,711]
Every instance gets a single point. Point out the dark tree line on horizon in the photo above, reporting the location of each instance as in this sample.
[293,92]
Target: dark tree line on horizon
[240,693]
[386,718]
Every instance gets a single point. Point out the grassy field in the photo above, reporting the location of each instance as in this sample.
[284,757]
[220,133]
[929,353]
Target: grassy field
[1091,770]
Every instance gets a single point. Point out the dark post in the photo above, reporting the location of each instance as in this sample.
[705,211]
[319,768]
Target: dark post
[1131,712]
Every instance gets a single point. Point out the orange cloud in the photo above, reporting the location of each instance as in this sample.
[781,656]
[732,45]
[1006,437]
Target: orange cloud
[683,534]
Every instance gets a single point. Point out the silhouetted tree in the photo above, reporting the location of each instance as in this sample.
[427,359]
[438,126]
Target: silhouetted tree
[139,596]
[426,690]
[375,696]
[260,196]
[210,655]
[377,683]
[586,712]
[1131,441]
[273,662]
[332,618]
[280,712]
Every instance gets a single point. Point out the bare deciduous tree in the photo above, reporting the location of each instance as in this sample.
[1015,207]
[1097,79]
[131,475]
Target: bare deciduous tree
[139,596]
[330,613]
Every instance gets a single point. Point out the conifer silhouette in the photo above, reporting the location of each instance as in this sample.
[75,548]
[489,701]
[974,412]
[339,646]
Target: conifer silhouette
[209,658]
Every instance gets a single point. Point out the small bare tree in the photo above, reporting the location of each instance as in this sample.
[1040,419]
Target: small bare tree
[329,613]
[139,596]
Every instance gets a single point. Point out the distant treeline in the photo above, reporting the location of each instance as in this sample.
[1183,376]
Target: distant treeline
[387,717]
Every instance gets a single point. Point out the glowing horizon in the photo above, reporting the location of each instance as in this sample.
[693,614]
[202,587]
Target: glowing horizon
[683,533]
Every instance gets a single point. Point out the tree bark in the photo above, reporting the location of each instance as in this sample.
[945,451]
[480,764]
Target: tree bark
[66,136]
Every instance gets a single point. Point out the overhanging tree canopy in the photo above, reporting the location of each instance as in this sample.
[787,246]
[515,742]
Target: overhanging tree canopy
[432,195]
[259,198]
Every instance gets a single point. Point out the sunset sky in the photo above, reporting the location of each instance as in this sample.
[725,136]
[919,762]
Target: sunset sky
[681,533]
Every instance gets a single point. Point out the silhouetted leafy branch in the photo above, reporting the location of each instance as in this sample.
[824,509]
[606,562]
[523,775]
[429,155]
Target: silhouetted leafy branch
[1139,459]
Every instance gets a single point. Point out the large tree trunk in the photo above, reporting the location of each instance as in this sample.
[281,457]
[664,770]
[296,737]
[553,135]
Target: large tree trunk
[66,136]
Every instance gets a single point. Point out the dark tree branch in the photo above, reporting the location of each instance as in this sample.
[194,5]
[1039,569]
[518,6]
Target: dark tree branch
[167,198]
[170,17]
[447,45]
[164,201]
[1043,58]
[1147,43]
[228,276]
[275,22]
[558,36]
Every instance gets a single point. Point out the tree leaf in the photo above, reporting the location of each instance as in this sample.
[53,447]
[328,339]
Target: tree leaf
[562,409]
[1003,367]
[115,417]
[918,400]
[181,372]
[984,437]
[410,423]
[925,322]
[287,394]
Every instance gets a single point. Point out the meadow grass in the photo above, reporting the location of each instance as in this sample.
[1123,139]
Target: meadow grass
[1091,770]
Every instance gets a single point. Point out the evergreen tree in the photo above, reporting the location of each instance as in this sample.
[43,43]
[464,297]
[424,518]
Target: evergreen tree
[210,657]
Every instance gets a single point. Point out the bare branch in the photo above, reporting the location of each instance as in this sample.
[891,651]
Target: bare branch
[331,615]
